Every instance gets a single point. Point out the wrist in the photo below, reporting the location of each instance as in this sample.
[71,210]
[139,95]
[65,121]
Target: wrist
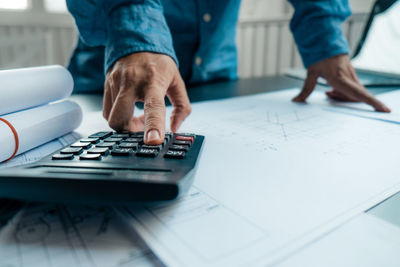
[129,31]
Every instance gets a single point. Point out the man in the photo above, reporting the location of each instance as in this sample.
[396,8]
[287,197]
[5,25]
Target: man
[153,46]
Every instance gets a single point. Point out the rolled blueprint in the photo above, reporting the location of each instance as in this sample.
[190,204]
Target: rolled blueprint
[37,126]
[31,87]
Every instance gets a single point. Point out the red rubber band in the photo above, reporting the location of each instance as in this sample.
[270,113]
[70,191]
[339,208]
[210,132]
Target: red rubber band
[15,137]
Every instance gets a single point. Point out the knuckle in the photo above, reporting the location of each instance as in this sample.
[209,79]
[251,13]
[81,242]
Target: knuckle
[187,110]
[150,70]
[129,73]
[154,103]
[115,124]
[151,76]
[341,74]
[128,85]
[114,76]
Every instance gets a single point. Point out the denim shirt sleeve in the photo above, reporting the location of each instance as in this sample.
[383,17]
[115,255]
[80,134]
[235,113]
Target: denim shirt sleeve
[123,27]
[317,28]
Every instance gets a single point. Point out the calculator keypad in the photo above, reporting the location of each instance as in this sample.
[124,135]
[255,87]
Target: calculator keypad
[113,140]
[99,150]
[101,135]
[133,146]
[82,145]
[126,144]
[157,147]
[182,143]
[107,144]
[72,150]
[179,148]
[147,152]
[90,157]
[62,156]
[90,140]
[121,151]
[174,154]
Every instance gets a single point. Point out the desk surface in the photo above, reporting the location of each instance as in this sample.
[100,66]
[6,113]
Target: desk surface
[388,210]
[220,90]
[227,89]
[217,90]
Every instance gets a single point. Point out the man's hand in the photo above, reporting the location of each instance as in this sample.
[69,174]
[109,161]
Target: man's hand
[145,77]
[341,76]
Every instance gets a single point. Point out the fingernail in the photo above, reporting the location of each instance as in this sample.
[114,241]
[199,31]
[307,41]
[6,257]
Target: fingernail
[153,135]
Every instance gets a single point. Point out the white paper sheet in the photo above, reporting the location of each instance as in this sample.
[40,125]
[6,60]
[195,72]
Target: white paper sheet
[38,125]
[57,235]
[274,176]
[361,110]
[30,87]
[364,241]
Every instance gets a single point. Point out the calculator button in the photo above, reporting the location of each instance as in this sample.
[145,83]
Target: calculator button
[147,152]
[179,148]
[121,151]
[90,140]
[106,144]
[187,134]
[157,147]
[90,157]
[82,145]
[184,138]
[134,140]
[62,157]
[120,135]
[98,150]
[72,150]
[100,135]
[172,154]
[113,139]
[137,134]
[134,146]
[182,143]
[168,136]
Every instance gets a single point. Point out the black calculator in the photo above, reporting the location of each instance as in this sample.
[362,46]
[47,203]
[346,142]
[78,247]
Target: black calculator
[109,168]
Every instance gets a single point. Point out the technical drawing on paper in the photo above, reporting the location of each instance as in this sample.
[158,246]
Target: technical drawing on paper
[52,235]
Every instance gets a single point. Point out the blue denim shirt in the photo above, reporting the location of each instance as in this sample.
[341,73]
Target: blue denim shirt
[199,34]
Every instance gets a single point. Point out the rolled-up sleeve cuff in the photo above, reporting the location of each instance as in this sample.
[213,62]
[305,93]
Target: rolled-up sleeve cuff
[137,28]
[320,38]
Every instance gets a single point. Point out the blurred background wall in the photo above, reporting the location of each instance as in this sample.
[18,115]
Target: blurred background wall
[41,32]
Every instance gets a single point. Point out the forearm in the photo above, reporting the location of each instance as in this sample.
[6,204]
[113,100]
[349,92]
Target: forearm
[317,28]
[123,27]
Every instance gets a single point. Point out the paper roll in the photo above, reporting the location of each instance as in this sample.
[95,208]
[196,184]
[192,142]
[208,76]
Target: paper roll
[30,87]
[37,126]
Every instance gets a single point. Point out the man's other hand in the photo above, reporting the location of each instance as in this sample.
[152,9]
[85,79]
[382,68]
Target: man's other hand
[144,77]
[340,75]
